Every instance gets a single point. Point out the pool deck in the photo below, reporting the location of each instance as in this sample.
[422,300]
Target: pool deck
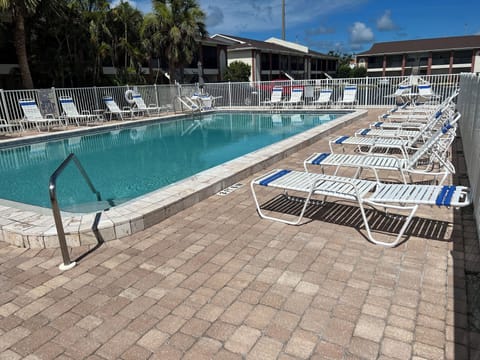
[214,281]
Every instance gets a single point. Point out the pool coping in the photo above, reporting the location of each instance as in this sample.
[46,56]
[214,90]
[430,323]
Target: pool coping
[26,228]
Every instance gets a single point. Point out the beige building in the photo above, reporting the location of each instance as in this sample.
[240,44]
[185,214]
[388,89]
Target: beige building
[272,58]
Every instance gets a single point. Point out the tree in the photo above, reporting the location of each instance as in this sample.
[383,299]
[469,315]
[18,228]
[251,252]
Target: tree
[19,11]
[237,71]
[344,71]
[181,23]
[359,71]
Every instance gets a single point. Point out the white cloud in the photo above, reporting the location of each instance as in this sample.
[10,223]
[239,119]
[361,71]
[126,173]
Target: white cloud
[360,34]
[240,16]
[214,16]
[385,22]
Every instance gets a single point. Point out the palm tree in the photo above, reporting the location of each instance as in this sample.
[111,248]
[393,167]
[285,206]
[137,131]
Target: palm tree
[19,10]
[181,23]
[151,39]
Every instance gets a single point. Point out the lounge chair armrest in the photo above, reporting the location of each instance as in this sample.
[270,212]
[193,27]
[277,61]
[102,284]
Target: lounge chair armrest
[49,116]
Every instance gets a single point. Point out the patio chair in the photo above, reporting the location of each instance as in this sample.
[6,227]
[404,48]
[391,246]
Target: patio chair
[349,95]
[421,122]
[434,149]
[275,97]
[70,111]
[142,107]
[113,108]
[325,98]
[402,197]
[34,116]
[382,139]
[402,95]
[295,97]
[425,94]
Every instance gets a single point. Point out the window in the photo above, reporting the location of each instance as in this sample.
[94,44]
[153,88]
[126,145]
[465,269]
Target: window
[375,62]
[441,58]
[462,57]
[210,60]
[394,60]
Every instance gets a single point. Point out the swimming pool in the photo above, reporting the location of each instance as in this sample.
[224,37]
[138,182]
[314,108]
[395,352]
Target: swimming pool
[129,162]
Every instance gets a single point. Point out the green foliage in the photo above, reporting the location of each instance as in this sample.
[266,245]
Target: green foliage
[67,43]
[237,71]
[359,71]
[344,71]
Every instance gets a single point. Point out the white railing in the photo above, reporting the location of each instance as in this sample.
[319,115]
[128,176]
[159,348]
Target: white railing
[469,106]
[372,92]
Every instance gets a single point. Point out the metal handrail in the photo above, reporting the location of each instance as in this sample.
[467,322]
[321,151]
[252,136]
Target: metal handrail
[52,187]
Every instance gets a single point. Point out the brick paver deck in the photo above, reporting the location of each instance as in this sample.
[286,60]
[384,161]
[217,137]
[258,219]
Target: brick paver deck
[217,282]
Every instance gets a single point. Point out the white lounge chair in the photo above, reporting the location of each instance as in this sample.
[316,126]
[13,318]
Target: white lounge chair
[407,197]
[349,95]
[70,111]
[34,116]
[295,97]
[142,106]
[276,96]
[425,94]
[415,122]
[325,98]
[113,108]
[402,95]
[434,149]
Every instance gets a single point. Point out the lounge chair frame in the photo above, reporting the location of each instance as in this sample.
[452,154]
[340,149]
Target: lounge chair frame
[364,192]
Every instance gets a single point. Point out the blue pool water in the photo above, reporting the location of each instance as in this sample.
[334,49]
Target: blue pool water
[133,161]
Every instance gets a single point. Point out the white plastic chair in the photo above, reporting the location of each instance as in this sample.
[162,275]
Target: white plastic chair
[276,96]
[295,97]
[349,95]
[113,108]
[70,111]
[142,106]
[33,115]
[325,97]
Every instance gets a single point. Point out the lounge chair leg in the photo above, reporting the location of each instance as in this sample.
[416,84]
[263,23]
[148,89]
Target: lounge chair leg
[399,237]
[264,216]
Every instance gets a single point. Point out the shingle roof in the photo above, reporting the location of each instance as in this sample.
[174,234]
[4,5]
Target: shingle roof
[244,43]
[437,44]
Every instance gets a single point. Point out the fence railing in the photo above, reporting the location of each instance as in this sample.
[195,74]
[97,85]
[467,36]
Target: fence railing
[372,92]
[468,105]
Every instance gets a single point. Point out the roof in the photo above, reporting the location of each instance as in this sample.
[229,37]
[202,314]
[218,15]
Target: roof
[421,45]
[237,43]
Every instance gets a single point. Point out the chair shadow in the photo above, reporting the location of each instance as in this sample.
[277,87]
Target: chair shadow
[350,215]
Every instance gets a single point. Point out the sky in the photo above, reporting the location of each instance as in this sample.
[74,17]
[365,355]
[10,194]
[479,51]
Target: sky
[344,26]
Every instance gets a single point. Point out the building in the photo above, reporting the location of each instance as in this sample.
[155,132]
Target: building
[272,58]
[449,55]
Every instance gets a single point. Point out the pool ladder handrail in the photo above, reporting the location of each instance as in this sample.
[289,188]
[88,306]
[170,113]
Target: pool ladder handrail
[52,187]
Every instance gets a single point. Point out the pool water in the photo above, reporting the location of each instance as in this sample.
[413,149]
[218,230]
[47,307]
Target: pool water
[127,163]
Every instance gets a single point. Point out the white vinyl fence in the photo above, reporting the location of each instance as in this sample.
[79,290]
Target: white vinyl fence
[469,106]
[372,92]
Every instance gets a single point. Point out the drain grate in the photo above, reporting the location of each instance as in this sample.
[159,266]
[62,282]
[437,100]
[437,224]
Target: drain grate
[230,189]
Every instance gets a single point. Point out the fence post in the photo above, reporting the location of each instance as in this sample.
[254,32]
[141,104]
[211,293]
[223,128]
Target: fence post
[156,95]
[229,94]
[367,84]
[4,105]
[96,97]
